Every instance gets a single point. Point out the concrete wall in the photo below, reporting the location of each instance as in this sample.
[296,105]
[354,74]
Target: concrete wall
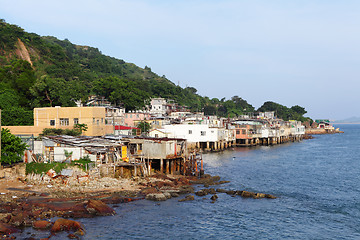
[156,133]
[38,147]
[160,150]
[59,153]
[93,117]
[182,131]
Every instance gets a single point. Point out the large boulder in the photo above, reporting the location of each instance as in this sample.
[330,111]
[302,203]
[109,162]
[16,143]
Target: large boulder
[187,198]
[270,196]
[214,197]
[220,190]
[167,195]
[98,207]
[6,228]
[202,192]
[62,224]
[156,197]
[41,224]
[172,192]
[21,219]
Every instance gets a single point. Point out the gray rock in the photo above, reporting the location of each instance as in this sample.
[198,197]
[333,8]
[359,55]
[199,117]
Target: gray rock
[156,197]
[167,195]
[187,198]
[214,197]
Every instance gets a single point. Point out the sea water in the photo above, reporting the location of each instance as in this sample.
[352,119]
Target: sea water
[316,183]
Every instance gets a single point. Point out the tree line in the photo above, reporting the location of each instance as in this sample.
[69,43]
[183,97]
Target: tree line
[62,73]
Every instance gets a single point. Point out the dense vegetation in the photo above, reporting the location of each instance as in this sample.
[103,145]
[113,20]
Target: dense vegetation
[42,168]
[294,113]
[12,148]
[60,73]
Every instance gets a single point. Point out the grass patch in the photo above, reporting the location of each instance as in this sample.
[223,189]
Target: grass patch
[41,168]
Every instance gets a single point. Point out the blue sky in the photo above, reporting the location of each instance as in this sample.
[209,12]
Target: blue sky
[304,52]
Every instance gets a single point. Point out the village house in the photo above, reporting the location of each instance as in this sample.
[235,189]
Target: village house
[158,133]
[167,155]
[132,118]
[324,124]
[155,122]
[125,130]
[200,136]
[114,115]
[248,132]
[66,118]
[158,107]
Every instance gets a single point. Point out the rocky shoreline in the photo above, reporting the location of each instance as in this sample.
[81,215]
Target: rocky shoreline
[321,131]
[36,205]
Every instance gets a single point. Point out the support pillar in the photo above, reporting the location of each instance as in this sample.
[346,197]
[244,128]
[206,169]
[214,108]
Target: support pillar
[162,165]
[172,167]
[167,166]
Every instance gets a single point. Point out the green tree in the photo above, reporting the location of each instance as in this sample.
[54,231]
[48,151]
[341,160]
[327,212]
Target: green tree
[59,131]
[17,116]
[209,110]
[144,127]
[120,91]
[298,109]
[81,127]
[12,148]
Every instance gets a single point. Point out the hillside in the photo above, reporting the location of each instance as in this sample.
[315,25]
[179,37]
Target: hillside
[38,71]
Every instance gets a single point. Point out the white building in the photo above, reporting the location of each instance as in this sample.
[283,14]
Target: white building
[158,106]
[202,135]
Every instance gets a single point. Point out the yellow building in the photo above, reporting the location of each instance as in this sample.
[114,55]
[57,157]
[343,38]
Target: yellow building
[154,123]
[66,118]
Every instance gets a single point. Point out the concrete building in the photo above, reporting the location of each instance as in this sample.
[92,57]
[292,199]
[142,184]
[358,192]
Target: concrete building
[131,118]
[158,106]
[201,136]
[114,115]
[66,118]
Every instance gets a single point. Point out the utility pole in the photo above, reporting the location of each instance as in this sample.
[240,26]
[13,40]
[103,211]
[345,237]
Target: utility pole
[113,121]
[0,138]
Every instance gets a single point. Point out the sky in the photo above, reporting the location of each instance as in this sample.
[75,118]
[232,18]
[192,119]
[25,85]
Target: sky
[298,52]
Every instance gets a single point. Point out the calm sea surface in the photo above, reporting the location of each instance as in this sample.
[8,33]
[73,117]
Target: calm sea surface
[317,183]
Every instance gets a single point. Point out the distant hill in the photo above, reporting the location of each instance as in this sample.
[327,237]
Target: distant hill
[37,71]
[348,120]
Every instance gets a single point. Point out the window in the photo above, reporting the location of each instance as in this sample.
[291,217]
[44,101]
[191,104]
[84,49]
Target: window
[156,135]
[93,120]
[190,131]
[130,115]
[97,122]
[137,115]
[76,121]
[102,120]
[64,122]
[237,131]
[203,133]
[243,131]
[52,122]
